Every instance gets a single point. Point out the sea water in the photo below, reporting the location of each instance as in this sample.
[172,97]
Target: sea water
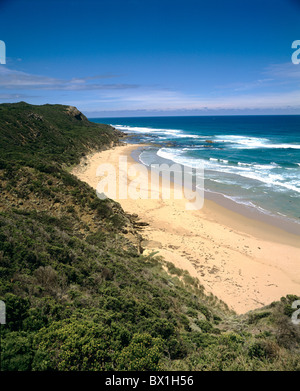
[253,160]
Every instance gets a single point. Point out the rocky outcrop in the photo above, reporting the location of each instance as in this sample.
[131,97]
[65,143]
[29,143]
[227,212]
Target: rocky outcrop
[74,112]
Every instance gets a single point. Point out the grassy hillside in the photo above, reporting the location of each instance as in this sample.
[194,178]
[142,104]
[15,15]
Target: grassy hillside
[49,132]
[79,293]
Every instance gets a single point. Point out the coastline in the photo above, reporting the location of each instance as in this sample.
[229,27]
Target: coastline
[244,262]
[266,223]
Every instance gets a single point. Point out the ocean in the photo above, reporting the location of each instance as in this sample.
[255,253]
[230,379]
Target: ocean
[252,160]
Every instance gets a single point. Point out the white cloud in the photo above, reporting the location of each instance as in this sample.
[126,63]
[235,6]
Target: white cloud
[172,100]
[118,96]
[284,71]
[12,79]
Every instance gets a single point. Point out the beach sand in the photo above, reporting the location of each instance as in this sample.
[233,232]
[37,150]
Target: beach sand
[244,262]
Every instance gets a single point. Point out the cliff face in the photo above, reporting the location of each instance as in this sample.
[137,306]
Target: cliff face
[74,112]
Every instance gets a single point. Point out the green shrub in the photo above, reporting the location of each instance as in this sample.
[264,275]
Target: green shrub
[16,311]
[73,346]
[205,326]
[143,354]
[255,317]
[16,352]
[263,349]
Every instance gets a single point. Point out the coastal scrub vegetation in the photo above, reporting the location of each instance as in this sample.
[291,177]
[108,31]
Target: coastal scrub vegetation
[79,293]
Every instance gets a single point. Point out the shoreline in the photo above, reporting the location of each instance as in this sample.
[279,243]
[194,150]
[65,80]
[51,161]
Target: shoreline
[244,262]
[284,223]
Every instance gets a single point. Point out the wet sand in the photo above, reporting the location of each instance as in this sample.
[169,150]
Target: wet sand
[245,262]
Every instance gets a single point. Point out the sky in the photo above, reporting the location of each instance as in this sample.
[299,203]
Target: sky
[116,58]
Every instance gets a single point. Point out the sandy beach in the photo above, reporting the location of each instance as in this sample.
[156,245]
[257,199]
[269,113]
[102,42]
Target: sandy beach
[244,262]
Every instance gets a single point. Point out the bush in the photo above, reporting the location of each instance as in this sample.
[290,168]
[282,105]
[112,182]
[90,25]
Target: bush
[17,352]
[16,311]
[205,326]
[74,346]
[143,354]
[263,349]
[255,317]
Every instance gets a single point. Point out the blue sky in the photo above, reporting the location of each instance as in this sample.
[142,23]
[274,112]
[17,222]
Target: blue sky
[132,58]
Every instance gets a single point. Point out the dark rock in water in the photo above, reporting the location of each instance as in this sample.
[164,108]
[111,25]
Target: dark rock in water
[209,141]
[155,145]
[119,133]
[170,144]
